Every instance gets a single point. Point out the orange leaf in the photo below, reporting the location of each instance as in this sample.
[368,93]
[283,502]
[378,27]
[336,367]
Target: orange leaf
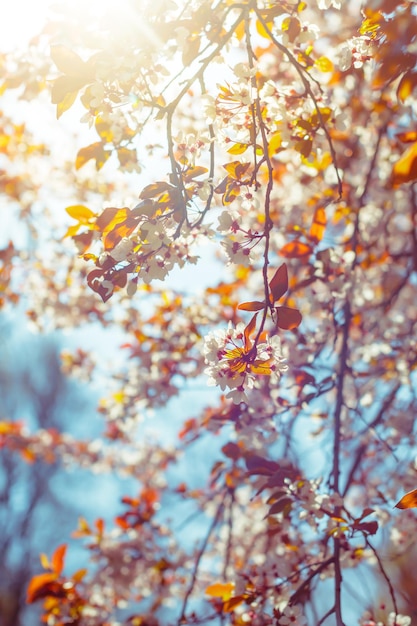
[405,169]
[408,137]
[99,524]
[288,318]
[318,226]
[279,283]
[58,557]
[39,586]
[407,85]
[255,305]
[295,249]
[79,575]
[220,590]
[409,501]
[248,332]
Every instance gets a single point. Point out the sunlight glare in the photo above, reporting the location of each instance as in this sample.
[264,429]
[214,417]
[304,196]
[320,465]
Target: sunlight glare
[122,21]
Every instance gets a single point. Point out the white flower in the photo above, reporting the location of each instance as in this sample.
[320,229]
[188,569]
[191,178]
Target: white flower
[228,220]
[122,250]
[398,620]
[345,58]
[292,616]
[326,4]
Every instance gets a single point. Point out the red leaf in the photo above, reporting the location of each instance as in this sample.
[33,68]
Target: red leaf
[279,283]
[369,528]
[258,465]
[231,450]
[232,603]
[288,318]
[281,506]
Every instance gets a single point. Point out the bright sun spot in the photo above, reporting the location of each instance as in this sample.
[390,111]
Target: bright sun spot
[25,18]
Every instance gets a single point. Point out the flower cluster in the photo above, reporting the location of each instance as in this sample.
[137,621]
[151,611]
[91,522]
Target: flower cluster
[234,362]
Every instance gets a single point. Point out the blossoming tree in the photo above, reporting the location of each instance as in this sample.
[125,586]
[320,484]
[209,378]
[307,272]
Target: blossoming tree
[282,134]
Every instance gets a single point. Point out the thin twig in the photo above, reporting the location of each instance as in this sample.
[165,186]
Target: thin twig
[386,577]
[199,556]
[306,83]
[298,592]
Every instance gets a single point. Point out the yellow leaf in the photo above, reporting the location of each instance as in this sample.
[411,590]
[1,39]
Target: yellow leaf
[93,151]
[238,148]
[72,231]
[240,30]
[66,103]
[80,212]
[274,144]
[67,61]
[125,156]
[63,86]
[261,30]
[103,128]
[44,561]
[220,590]
[324,64]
